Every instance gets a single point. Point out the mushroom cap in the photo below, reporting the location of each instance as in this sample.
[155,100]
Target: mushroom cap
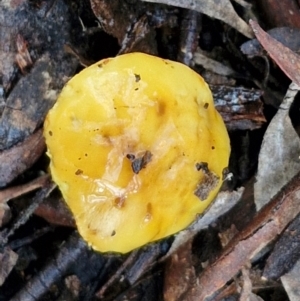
[137,149]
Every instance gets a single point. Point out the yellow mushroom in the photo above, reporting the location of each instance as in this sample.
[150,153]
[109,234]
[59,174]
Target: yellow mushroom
[137,149]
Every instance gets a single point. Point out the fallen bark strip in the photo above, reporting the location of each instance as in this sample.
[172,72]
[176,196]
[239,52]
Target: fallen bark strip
[265,227]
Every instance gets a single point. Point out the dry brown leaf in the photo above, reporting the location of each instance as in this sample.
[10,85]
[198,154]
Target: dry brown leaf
[222,10]
[286,59]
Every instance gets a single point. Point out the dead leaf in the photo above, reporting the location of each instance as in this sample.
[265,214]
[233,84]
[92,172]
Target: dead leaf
[222,10]
[278,159]
[240,108]
[286,59]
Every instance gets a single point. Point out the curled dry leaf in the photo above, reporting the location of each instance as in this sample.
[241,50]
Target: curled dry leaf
[278,159]
[222,10]
[286,59]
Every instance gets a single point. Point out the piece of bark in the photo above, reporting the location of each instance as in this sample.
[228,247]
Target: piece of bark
[17,159]
[285,253]
[240,108]
[27,104]
[28,96]
[264,228]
